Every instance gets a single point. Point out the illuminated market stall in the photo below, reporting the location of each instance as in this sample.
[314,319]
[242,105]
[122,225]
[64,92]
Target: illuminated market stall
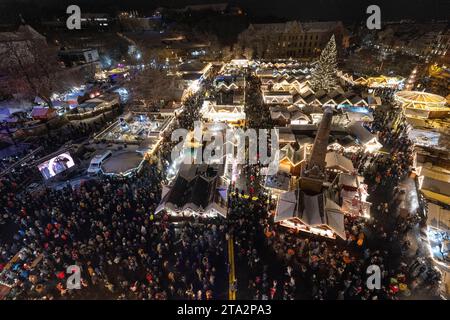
[233,114]
[196,190]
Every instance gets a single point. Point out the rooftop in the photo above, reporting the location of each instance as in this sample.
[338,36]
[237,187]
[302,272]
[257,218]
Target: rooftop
[303,26]
[420,97]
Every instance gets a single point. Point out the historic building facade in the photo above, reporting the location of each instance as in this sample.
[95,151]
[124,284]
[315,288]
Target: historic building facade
[291,39]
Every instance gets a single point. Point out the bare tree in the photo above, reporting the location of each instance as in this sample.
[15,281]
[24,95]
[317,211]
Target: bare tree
[157,55]
[32,69]
[248,53]
[151,86]
[227,53]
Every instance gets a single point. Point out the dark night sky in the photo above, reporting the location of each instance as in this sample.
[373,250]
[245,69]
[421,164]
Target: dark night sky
[349,10]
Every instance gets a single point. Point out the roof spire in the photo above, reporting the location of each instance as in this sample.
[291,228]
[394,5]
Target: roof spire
[22,20]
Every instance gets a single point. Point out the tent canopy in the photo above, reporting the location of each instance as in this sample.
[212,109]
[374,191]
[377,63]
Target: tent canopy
[337,161]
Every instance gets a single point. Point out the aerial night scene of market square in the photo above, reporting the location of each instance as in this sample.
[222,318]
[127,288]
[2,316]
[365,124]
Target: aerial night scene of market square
[243,150]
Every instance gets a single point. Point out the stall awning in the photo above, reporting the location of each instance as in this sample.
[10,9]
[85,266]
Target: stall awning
[337,161]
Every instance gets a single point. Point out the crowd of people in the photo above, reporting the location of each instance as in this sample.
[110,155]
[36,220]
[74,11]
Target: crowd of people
[108,229]
[387,168]
[125,252]
[282,264]
[309,267]
[305,268]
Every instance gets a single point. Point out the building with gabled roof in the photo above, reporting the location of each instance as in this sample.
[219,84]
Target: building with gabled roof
[222,112]
[197,190]
[292,160]
[316,214]
[292,38]
[277,97]
[284,115]
[364,136]
[43,113]
[336,161]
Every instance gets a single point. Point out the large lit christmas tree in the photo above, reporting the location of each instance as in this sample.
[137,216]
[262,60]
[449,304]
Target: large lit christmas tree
[323,76]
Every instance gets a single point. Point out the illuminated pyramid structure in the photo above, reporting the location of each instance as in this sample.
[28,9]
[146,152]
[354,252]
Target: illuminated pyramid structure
[309,208]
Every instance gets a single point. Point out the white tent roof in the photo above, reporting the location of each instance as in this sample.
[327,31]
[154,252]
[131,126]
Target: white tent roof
[359,116]
[286,206]
[335,160]
[348,180]
[311,212]
[361,133]
[336,221]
